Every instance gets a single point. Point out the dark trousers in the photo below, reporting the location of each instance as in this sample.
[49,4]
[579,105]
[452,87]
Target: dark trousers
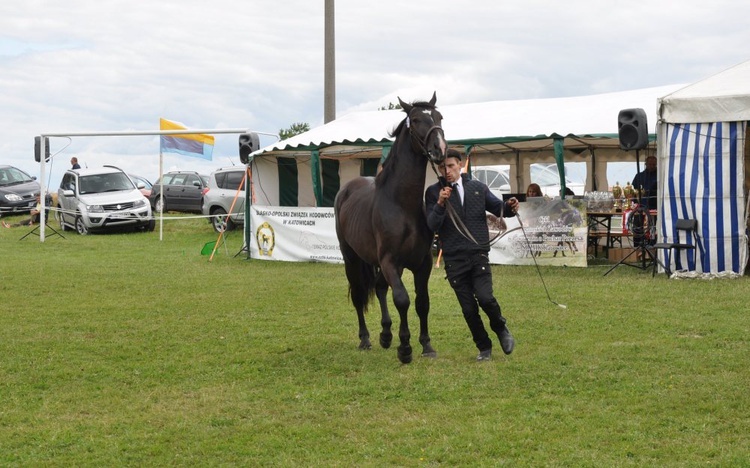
[471,279]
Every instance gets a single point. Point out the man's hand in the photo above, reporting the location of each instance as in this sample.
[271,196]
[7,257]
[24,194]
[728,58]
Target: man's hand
[513,203]
[445,193]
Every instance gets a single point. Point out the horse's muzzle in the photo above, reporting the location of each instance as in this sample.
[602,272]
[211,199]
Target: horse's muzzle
[436,145]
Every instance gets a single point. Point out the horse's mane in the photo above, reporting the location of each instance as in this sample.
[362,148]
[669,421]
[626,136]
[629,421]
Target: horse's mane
[383,175]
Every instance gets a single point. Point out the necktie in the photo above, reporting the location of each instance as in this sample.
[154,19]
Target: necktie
[458,192]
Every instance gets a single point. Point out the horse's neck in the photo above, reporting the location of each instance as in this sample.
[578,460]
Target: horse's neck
[407,179]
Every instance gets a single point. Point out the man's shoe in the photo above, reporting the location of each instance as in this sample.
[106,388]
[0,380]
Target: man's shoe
[485,355]
[506,341]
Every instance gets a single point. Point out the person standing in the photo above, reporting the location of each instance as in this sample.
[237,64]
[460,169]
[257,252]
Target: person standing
[645,182]
[74,163]
[467,264]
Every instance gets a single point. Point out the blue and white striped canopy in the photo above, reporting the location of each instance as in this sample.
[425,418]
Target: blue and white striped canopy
[701,177]
[701,165]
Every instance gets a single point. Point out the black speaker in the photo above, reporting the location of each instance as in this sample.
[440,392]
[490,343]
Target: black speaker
[632,129]
[249,142]
[37,150]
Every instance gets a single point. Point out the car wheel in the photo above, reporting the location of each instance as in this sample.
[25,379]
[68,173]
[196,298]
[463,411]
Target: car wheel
[59,217]
[160,206]
[151,225]
[80,226]
[220,220]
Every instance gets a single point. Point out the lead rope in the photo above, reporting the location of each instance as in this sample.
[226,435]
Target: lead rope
[459,224]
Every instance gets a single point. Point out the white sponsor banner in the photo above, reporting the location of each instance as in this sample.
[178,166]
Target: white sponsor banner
[556,232]
[293,234]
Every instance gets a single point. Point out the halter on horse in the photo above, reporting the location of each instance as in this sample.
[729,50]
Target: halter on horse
[382,228]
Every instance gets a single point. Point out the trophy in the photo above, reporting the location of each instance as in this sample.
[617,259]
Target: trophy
[629,193]
[617,195]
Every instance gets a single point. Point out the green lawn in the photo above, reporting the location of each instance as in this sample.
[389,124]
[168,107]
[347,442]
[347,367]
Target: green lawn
[121,349]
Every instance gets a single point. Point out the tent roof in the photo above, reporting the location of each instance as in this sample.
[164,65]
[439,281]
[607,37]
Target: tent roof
[724,97]
[497,125]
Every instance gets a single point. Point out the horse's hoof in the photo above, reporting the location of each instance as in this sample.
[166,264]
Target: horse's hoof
[365,346]
[405,359]
[405,356]
[430,354]
[385,341]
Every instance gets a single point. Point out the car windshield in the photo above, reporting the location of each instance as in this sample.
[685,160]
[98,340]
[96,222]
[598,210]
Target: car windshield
[492,179]
[545,175]
[13,176]
[100,183]
[145,181]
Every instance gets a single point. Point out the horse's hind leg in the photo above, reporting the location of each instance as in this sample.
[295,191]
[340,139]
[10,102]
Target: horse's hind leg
[422,305]
[358,289]
[381,291]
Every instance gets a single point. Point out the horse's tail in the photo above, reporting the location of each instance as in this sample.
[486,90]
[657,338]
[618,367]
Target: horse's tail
[362,290]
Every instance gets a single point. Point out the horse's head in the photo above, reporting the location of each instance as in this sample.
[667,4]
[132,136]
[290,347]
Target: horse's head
[424,124]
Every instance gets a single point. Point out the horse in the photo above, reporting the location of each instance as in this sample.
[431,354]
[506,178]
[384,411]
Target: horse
[382,228]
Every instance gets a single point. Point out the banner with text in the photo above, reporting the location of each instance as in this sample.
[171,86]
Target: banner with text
[294,234]
[554,231]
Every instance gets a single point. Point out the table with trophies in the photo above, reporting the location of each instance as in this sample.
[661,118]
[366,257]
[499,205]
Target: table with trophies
[602,209]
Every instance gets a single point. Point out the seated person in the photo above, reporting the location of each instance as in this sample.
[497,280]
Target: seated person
[534,190]
[33,219]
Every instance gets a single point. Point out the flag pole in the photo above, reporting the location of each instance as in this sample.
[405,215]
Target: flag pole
[161,193]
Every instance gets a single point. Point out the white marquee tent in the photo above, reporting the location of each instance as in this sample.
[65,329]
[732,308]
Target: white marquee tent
[516,133]
[702,155]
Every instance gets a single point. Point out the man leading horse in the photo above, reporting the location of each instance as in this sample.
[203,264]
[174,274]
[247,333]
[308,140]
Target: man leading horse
[456,208]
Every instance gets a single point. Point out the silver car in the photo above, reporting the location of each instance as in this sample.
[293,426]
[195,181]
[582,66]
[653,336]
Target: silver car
[221,193]
[101,198]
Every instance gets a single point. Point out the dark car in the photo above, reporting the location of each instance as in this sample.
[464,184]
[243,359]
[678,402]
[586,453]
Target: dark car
[183,191]
[17,191]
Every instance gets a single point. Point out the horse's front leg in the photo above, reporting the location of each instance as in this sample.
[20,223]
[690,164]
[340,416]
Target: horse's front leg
[381,291]
[422,305]
[401,300]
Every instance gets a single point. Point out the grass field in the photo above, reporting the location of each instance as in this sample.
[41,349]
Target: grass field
[121,349]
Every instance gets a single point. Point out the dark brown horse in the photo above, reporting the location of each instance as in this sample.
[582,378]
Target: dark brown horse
[382,228]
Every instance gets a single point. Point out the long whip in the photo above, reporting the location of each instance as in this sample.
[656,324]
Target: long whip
[562,306]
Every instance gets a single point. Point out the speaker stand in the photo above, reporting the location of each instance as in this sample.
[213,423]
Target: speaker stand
[644,221]
[643,251]
[36,231]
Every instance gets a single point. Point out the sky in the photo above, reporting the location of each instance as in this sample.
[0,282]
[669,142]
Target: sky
[97,66]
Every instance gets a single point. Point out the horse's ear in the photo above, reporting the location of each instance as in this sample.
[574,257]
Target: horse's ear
[406,107]
[434,98]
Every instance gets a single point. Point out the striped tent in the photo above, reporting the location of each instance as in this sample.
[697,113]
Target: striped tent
[701,165]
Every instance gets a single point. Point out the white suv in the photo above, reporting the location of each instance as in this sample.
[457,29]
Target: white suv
[101,198]
[222,191]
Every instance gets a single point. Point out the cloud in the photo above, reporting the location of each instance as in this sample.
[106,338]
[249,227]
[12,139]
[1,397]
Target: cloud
[116,65]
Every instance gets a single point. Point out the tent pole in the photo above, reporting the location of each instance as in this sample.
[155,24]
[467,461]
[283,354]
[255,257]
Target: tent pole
[315,171]
[558,144]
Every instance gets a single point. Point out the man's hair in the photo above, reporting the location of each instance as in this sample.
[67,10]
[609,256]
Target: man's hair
[451,153]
